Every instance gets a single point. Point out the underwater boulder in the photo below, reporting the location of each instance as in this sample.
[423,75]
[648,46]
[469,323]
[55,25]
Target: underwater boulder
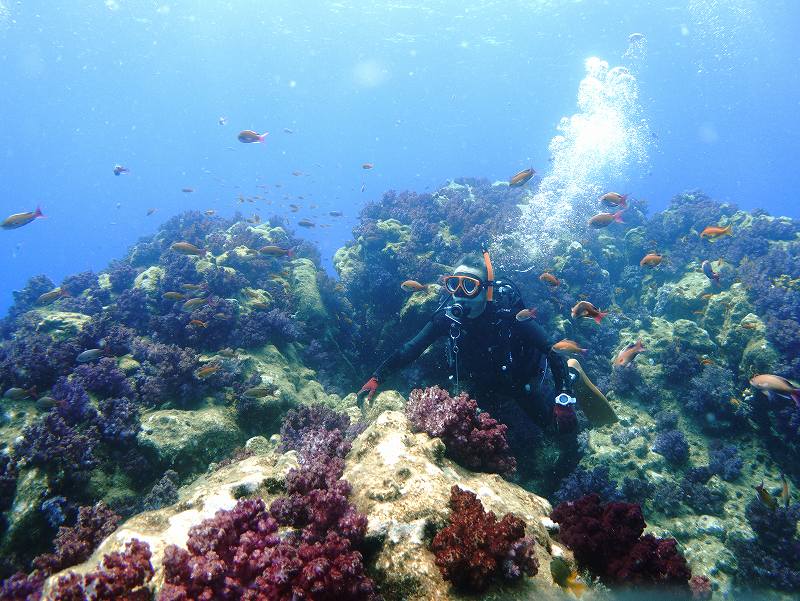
[188,441]
[680,300]
[149,279]
[62,325]
[305,291]
[27,526]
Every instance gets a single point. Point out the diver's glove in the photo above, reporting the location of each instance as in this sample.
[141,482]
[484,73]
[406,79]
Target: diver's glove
[564,413]
[370,388]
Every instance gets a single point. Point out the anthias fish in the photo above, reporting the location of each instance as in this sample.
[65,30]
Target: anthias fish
[615,199]
[651,260]
[550,279]
[569,347]
[587,309]
[628,354]
[248,136]
[413,286]
[771,385]
[714,231]
[526,314]
[605,219]
[521,178]
[16,220]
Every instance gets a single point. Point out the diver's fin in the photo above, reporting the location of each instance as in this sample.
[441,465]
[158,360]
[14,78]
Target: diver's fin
[591,401]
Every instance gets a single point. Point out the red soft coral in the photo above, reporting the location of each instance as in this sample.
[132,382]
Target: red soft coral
[476,549]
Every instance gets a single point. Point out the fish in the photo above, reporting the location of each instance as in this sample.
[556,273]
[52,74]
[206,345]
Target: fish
[222,120]
[605,219]
[45,403]
[735,402]
[248,136]
[749,325]
[276,251]
[49,297]
[151,211]
[187,190]
[297,173]
[714,231]
[198,323]
[614,199]
[207,370]
[258,392]
[91,355]
[526,314]
[185,248]
[569,347]
[709,272]
[16,220]
[566,577]
[550,279]
[706,361]
[259,305]
[629,353]
[335,213]
[707,296]
[193,302]
[286,130]
[171,295]
[363,187]
[765,497]
[698,312]
[209,212]
[306,223]
[294,208]
[120,170]
[772,385]
[651,260]
[784,496]
[367,166]
[193,286]
[587,309]
[227,352]
[519,179]
[413,286]
[15,393]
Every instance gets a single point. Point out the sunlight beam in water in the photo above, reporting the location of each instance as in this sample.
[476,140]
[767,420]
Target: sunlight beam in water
[596,145]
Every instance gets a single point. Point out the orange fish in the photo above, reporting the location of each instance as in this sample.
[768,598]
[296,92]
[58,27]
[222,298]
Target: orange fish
[749,325]
[520,178]
[16,220]
[772,385]
[526,314]
[413,286]
[628,354]
[651,260]
[587,309]
[550,279]
[569,347]
[185,248]
[367,166]
[605,219]
[206,371]
[248,136]
[613,199]
[706,361]
[714,231]
[198,323]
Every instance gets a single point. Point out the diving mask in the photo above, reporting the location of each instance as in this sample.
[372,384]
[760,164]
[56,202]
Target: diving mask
[468,285]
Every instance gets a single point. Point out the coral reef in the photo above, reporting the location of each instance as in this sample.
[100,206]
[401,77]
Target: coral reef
[475,549]
[474,439]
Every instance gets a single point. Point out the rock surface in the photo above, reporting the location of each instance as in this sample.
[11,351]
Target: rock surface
[400,480]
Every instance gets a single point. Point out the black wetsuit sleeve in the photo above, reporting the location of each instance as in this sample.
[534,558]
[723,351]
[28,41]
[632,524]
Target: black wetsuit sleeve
[412,349]
[536,336]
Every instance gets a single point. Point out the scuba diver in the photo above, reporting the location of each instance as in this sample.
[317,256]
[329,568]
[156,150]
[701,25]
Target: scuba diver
[500,356]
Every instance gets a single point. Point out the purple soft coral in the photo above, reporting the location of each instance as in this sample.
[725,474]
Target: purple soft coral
[473,439]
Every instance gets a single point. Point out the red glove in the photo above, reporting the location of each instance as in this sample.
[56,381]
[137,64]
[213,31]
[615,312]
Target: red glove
[370,388]
[566,421]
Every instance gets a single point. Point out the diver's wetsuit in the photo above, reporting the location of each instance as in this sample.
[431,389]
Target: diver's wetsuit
[496,354]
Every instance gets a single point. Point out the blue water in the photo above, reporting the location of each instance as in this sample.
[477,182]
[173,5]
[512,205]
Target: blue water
[424,90]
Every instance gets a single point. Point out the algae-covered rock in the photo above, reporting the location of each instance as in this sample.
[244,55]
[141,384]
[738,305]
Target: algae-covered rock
[149,279]
[61,325]
[681,299]
[402,482]
[388,400]
[26,524]
[693,336]
[346,260]
[189,440]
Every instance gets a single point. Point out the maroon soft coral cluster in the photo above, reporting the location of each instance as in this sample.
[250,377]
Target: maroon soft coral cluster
[473,438]
[607,539]
[476,549]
